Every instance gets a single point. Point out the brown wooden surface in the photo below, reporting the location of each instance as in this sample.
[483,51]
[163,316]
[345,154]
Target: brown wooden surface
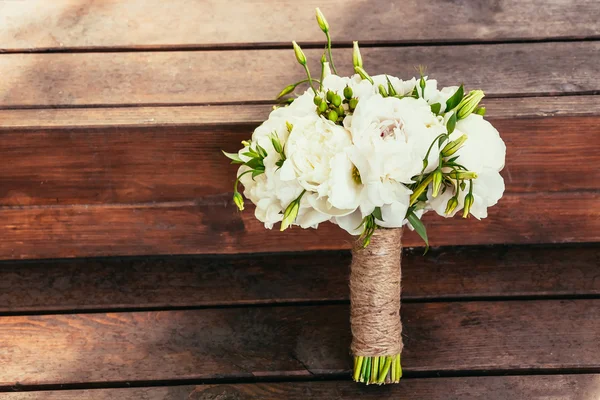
[461,273]
[254,114]
[293,342]
[215,226]
[70,23]
[198,77]
[563,387]
[136,165]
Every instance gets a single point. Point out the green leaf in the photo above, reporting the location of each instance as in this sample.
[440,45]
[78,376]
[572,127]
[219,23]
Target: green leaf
[419,227]
[234,157]
[256,173]
[452,159]
[391,89]
[261,151]
[251,154]
[415,93]
[451,124]
[435,108]
[377,213]
[255,163]
[454,101]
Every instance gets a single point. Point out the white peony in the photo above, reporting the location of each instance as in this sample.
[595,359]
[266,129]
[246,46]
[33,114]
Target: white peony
[483,152]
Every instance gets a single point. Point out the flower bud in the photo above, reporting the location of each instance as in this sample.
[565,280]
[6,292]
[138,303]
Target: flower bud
[363,74]
[332,115]
[330,96]
[469,103]
[238,200]
[340,110]
[453,146]
[463,175]
[480,111]
[451,205]
[383,91]
[246,143]
[437,182]
[299,54]
[469,199]
[353,103]
[356,57]
[289,126]
[276,143]
[336,100]
[290,214]
[317,100]
[322,107]
[286,90]
[322,21]
[348,92]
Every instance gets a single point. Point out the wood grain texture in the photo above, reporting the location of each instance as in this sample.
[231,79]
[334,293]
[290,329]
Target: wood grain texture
[75,24]
[446,273]
[563,387]
[292,341]
[200,77]
[254,114]
[156,164]
[217,227]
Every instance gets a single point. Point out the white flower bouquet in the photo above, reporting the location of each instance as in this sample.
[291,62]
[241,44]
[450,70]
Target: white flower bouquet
[371,154]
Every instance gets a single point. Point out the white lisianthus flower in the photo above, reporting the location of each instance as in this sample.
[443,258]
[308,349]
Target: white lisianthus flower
[315,159]
[391,137]
[484,153]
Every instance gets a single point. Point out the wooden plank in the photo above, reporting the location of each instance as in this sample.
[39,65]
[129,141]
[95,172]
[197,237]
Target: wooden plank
[254,114]
[200,77]
[564,387]
[155,164]
[308,341]
[217,227]
[446,273]
[73,24]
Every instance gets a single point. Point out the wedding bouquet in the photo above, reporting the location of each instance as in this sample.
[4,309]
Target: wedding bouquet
[371,154]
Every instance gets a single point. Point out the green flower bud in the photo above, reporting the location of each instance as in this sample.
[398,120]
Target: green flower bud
[286,90]
[453,146]
[340,110]
[383,91]
[322,107]
[289,126]
[469,103]
[336,100]
[469,199]
[348,92]
[353,103]
[332,115]
[451,205]
[299,54]
[246,143]
[462,175]
[363,74]
[356,57]
[317,100]
[437,182]
[480,111]
[290,214]
[238,200]
[322,21]
[276,143]
[330,95]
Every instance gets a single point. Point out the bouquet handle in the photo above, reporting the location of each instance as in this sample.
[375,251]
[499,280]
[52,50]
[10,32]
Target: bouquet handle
[375,308]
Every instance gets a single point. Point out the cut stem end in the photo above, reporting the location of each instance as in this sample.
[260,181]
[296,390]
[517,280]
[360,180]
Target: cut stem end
[379,370]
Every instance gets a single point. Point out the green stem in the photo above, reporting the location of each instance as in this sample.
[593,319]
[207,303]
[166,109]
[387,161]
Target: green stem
[329,52]
[237,181]
[310,80]
[386,369]
[358,367]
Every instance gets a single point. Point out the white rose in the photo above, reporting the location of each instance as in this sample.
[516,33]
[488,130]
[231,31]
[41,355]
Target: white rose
[483,152]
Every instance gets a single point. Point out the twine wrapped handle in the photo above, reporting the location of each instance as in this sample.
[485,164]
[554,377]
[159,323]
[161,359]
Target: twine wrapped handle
[375,308]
